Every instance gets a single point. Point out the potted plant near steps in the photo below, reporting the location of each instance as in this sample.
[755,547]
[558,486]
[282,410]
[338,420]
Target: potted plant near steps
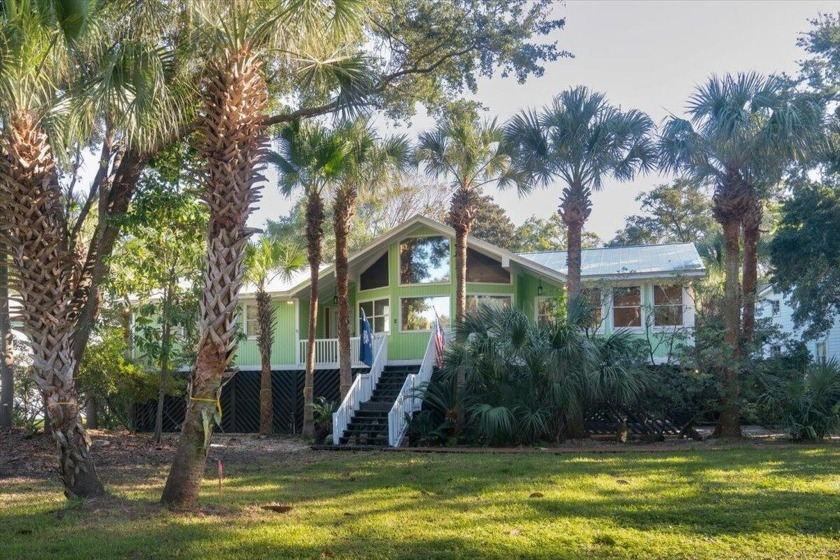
[322,411]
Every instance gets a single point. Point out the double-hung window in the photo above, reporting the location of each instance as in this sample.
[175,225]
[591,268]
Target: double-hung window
[627,307]
[667,305]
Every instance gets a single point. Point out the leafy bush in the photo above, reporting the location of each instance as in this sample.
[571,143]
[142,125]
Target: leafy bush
[526,383]
[814,411]
[115,381]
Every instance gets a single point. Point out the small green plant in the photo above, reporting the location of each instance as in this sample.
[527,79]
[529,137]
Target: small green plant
[322,411]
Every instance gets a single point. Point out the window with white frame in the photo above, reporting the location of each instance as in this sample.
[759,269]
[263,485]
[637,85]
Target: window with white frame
[252,321]
[424,260]
[627,307]
[476,301]
[378,313]
[419,313]
[547,309]
[667,305]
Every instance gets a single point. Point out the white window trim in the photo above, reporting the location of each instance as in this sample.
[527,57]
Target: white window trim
[399,257]
[388,259]
[399,318]
[492,295]
[643,312]
[605,309]
[374,300]
[510,274]
[683,295]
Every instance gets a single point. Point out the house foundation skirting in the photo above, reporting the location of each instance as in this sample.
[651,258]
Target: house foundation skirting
[241,402]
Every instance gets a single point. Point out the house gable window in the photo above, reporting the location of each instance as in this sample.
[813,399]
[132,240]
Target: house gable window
[378,314]
[424,260]
[376,275]
[667,305]
[499,302]
[418,313]
[627,307]
[484,269]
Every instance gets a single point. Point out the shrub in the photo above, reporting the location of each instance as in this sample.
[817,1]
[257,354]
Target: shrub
[526,383]
[814,410]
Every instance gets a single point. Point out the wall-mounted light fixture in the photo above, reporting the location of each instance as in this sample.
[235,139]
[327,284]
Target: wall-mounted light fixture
[540,288]
[335,297]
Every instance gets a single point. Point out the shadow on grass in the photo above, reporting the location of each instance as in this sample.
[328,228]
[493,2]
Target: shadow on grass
[436,506]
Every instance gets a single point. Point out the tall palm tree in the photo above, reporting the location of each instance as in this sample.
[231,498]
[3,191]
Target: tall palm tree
[369,162]
[266,260]
[742,132]
[55,59]
[471,154]
[244,42]
[581,139]
[310,158]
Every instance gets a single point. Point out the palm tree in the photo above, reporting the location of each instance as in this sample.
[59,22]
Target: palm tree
[581,139]
[56,65]
[369,162]
[741,134]
[266,260]
[471,154]
[310,158]
[244,42]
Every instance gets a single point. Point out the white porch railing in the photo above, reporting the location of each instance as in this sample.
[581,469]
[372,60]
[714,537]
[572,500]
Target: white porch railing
[409,400]
[362,388]
[326,352]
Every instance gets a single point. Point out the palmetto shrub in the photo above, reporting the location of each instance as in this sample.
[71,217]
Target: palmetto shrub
[526,383]
[814,411]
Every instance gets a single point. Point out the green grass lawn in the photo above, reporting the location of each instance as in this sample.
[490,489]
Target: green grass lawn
[735,503]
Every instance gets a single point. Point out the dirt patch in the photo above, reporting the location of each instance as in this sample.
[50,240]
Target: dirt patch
[126,453]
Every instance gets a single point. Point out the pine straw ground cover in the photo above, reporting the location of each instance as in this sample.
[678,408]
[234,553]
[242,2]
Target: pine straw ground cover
[688,502]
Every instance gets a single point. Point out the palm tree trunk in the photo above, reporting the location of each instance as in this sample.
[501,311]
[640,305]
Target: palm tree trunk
[314,239]
[345,201]
[732,200]
[752,235]
[461,216]
[266,339]
[45,277]
[91,412]
[7,378]
[233,144]
[575,208]
[729,423]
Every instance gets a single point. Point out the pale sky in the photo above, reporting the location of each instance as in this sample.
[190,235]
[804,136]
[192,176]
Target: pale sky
[645,55]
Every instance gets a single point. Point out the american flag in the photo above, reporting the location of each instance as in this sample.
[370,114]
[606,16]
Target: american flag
[440,342]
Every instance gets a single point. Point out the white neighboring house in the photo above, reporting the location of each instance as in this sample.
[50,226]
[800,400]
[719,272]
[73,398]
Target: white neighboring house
[777,307]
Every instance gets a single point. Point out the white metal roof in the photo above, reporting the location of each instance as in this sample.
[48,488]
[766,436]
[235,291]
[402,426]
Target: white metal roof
[640,261]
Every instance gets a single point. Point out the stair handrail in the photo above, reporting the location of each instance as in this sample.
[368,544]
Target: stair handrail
[409,400]
[362,388]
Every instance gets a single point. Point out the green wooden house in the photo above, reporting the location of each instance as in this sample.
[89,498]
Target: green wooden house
[405,280]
